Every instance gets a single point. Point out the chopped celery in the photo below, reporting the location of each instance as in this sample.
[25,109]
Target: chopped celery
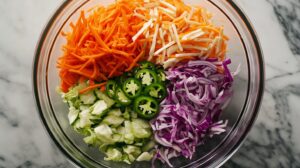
[140,128]
[114,121]
[104,133]
[84,119]
[133,150]
[99,108]
[113,154]
[73,93]
[103,96]
[73,115]
[128,137]
[115,112]
[148,146]
[145,156]
[92,139]
[88,98]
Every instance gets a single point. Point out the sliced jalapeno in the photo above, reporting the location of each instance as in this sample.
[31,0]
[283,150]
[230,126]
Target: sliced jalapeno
[121,98]
[161,75]
[146,65]
[129,74]
[135,70]
[146,76]
[132,88]
[121,79]
[157,91]
[146,107]
[111,86]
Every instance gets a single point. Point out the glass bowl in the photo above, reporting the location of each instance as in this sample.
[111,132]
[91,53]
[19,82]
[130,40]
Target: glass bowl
[244,50]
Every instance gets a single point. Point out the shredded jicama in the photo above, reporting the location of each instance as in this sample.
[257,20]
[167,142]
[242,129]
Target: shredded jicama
[188,26]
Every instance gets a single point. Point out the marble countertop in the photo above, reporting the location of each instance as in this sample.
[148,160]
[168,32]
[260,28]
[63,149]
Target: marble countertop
[273,142]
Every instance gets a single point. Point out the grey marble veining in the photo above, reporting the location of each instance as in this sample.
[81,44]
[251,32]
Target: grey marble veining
[273,142]
[288,15]
[275,138]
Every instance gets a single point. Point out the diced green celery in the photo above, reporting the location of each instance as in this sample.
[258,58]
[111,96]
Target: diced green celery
[117,138]
[113,121]
[148,146]
[113,154]
[88,98]
[114,130]
[104,133]
[84,119]
[131,158]
[103,147]
[139,144]
[103,96]
[92,139]
[121,130]
[83,131]
[95,119]
[84,107]
[75,103]
[126,114]
[128,136]
[145,156]
[73,93]
[133,114]
[99,108]
[125,159]
[141,128]
[73,114]
[133,150]
[115,112]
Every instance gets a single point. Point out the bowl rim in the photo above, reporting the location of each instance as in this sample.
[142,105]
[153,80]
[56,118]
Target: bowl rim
[233,149]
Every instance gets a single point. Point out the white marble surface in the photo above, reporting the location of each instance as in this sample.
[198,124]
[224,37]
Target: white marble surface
[273,142]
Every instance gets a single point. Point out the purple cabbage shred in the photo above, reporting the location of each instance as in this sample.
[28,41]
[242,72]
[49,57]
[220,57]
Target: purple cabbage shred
[197,95]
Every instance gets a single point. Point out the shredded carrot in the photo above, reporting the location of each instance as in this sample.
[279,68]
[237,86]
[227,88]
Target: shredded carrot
[91,82]
[135,61]
[102,88]
[99,45]
[115,69]
[91,87]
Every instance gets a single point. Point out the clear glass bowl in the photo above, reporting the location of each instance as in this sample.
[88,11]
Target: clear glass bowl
[244,49]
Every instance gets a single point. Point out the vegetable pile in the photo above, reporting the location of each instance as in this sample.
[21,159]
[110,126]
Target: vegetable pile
[174,31]
[145,79]
[117,132]
[113,39]
[99,46]
[197,94]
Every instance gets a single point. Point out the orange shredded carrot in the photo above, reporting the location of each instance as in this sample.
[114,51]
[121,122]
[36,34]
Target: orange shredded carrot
[115,69]
[99,46]
[91,87]
[135,61]
[102,88]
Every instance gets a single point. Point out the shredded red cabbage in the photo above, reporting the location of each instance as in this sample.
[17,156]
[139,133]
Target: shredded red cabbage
[197,94]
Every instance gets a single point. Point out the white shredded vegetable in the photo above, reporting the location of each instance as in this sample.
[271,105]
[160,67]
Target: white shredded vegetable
[176,37]
[173,8]
[192,35]
[188,54]
[151,53]
[164,48]
[177,34]
[140,32]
